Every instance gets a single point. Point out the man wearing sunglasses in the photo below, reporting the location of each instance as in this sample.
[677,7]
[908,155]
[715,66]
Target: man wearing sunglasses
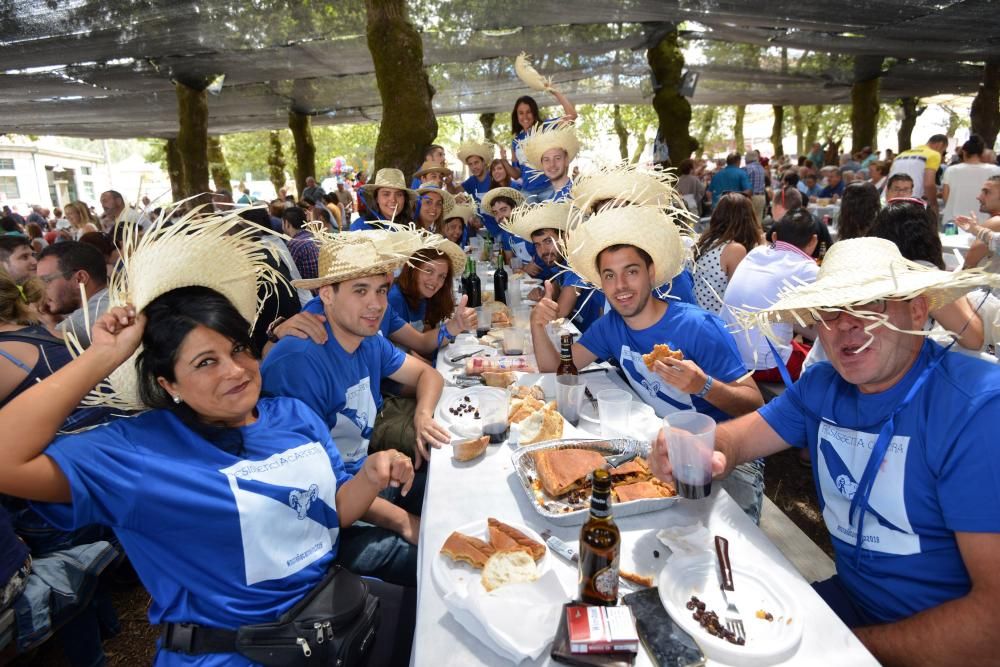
[901,434]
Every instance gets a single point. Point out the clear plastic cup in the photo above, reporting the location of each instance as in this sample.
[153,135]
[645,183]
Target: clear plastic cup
[522,316]
[569,397]
[690,443]
[514,292]
[513,340]
[613,408]
[493,409]
[484,320]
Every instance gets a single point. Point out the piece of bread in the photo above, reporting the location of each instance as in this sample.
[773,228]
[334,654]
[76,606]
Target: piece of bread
[544,424]
[500,319]
[508,567]
[659,353]
[470,449]
[508,538]
[471,550]
[524,409]
[502,379]
[522,392]
[637,579]
[623,493]
[563,470]
[636,470]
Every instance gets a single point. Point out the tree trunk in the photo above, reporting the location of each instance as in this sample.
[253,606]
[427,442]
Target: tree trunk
[778,130]
[741,111]
[192,140]
[276,162]
[217,165]
[672,110]
[864,101]
[487,120]
[812,128]
[640,144]
[906,125]
[408,122]
[985,112]
[175,170]
[305,149]
[708,124]
[800,130]
[621,131]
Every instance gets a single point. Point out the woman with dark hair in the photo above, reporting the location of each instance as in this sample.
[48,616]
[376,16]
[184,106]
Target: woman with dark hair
[432,205]
[733,231]
[499,175]
[913,229]
[422,295]
[525,118]
[961,183]
[858,207]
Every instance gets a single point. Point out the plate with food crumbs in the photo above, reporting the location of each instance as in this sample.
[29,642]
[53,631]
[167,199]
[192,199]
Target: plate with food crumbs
[689,591]
[464,555]
[458,410]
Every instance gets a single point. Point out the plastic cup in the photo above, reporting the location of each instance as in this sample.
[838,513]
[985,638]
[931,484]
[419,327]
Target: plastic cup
[484,318]
[493,409]
[513,341]
[613,408]
[690,443]
[516,264]
[522,316]
[514,292]
[569,397]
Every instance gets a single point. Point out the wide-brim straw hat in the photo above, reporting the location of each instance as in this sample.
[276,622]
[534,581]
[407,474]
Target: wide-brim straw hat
[218,251]
[391,178]
[470,148]
[447,199]
[527,219]
[429,167]
[450,250]
[351,255]
[464,211]
[627,184]
[544,138]
[645,227]
[861,270]
[486,203]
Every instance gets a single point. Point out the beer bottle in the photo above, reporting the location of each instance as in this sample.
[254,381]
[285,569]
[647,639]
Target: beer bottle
[566,365]
[600,544]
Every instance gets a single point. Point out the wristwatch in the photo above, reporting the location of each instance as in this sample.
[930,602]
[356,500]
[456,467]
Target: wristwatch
[271,336]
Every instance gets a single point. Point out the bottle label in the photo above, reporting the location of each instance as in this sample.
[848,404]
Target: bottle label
[600,506]
[606,581]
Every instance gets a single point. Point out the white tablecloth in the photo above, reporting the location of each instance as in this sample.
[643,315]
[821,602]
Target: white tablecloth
[458,493]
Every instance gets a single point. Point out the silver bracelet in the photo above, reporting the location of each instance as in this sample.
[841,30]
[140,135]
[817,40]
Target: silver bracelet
[706,388]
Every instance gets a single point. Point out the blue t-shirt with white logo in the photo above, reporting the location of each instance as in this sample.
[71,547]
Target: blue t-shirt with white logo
[342,387]
[477,188]
[400,306]
[589,304]
[940,475]
[532,180]
[390,324]
[217,539]
[700,335]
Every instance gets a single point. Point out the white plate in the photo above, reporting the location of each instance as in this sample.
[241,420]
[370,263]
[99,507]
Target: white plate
[643,422]
[461,426]
[767,642]
[453,351]
[456,576]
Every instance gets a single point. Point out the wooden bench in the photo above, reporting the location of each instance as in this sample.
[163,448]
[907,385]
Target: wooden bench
[811,561]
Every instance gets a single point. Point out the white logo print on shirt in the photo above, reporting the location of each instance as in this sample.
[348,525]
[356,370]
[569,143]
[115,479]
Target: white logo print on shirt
[355,422]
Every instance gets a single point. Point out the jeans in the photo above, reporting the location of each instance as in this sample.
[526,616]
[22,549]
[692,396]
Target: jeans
[412,502]
[746,485]
[378,552]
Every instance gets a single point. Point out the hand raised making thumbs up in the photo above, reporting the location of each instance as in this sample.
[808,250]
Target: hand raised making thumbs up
[547,309]
[465,318]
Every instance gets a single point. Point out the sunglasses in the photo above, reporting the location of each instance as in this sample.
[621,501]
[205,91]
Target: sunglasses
[877,307]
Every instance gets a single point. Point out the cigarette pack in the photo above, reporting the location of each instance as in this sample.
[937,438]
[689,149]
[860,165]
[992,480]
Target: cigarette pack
[601,629]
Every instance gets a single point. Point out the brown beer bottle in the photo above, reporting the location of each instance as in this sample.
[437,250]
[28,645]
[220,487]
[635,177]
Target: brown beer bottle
[600,544]
[566,365]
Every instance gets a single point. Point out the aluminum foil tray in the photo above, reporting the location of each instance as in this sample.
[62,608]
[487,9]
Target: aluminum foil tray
[575,513]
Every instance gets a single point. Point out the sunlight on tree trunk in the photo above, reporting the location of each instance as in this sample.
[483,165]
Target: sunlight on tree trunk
[673,111]
[305,150]
[741,111]
[192,139]
[621,131]
[800,130]
[864,101]
[778,130]
[217,165]
[812,128]
[487,120]
[985,111]
[408,122]
[275,161]
[175,169]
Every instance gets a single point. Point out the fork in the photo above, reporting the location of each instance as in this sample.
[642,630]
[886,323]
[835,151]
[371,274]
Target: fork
[734,621]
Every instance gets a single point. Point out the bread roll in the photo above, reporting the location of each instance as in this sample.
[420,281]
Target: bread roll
[508,567]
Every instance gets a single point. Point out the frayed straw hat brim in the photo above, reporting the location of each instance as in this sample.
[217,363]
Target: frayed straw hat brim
[447,199]
[352,255]
[470,148]
[455,255]
[627,183]
[464,211]
[529,218]
[545,138]
[486,203]
[392,179]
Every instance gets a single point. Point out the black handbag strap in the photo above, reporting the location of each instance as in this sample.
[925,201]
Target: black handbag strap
[197,639]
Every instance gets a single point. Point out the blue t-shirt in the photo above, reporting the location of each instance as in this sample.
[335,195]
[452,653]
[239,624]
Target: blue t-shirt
[941,475]
[342,387]
[590,302]
[532,180]
[829,191]
[550,194]
[682,287]
[400,306]
[700,335]
[729,179]
[478,188]
[217,539]
[391,321]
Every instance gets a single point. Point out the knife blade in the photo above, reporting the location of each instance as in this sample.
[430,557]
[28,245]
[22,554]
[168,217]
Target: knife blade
[560,547]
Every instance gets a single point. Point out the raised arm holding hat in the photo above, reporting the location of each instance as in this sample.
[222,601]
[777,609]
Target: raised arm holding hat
[900,432]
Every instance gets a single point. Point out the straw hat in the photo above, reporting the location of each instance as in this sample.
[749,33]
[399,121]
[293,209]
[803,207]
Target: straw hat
[627,183]
[389,178]
[645,227]
[217,250]
[351,255]
[542,139]
[527,219]
[450,250]
[470,148]
[429,167]
[486,203]
[859,271]
[447,199]
[464,211]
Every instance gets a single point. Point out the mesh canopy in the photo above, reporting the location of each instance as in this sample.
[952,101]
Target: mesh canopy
[105,69]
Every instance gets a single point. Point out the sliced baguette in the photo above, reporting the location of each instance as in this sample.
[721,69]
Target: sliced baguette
[470,449]
[508,567]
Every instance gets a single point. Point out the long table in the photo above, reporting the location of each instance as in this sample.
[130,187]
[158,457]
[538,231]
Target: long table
[458,493]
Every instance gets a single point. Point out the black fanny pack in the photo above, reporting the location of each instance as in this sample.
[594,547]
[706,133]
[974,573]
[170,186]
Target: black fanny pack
[335,624]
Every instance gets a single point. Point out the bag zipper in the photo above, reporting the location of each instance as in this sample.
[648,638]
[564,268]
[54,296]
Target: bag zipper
[306,651]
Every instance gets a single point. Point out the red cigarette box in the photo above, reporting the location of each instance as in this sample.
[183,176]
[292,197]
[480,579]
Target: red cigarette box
[601,629]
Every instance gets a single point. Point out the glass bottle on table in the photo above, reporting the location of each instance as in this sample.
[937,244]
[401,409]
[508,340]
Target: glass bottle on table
[475,287]
[566,365]
[500,279]
[600,546]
